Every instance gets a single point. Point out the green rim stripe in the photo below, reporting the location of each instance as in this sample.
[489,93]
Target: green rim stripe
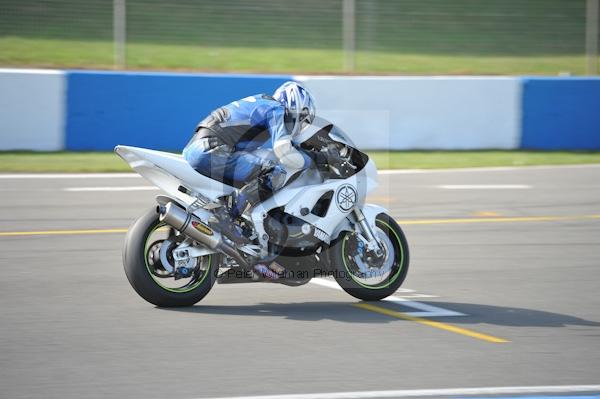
[176,290]
[401,261]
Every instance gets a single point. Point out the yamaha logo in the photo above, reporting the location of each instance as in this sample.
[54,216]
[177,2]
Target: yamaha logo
[345,197]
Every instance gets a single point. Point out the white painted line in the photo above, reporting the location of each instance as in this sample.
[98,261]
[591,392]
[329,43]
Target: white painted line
[484,169]
[381,172]
[484,186]
[408,293]
[125,188]
[32,71]
[18,176]
[545,389]
[424,310]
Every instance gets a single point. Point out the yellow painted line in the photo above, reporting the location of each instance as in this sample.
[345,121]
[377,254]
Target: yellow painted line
[431,323]
[380,198]
[401,222]
[60,232]
[486,214]
[500,219]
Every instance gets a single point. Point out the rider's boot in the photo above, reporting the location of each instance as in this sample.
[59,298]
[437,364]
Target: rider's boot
[226,219]
[259,189]
[226,224]
[249,195]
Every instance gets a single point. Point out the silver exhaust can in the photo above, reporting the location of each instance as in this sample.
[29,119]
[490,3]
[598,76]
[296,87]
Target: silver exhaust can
[189,224]
[198,230]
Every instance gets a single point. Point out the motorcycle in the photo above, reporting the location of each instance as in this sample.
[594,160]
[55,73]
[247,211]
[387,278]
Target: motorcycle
[316,225]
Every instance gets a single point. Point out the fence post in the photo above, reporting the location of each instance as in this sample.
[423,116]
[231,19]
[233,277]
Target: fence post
[349,35]
[591,36]
[119,33]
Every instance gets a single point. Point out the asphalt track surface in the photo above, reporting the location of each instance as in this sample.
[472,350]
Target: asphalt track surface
[517,251]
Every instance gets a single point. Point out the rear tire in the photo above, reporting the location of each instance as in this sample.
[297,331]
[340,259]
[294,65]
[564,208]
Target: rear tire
[348,275]
[140,276]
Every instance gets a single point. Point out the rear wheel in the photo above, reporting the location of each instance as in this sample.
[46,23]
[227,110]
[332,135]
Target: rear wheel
[149,243]
[365,276]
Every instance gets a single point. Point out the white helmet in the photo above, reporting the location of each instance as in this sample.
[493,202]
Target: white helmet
[299,106]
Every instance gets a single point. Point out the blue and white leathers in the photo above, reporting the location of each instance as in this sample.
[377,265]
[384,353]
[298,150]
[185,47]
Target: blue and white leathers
[245,126]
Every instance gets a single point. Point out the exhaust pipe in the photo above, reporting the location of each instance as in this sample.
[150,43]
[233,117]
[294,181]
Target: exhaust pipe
[195,228]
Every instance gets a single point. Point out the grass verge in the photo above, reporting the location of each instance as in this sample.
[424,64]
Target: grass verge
[56,53]
[470,159]
[48,162]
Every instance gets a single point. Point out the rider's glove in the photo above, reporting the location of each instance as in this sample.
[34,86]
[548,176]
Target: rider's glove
[272,176]
[277,178]
[267,166]
[336,161]
[328,158]
[320,160]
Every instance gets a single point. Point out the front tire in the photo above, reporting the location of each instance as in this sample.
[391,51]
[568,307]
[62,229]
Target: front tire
[147,276]
[381,280]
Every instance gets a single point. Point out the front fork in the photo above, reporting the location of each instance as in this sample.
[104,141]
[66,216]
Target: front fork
[371,241]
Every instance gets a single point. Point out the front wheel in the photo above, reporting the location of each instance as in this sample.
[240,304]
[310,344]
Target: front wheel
[365,276]
[143,258]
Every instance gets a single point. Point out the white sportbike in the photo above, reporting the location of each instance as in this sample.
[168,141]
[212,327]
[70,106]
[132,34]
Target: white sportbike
[316,225]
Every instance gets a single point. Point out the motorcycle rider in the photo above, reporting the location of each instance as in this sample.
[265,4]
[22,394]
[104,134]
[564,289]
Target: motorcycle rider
[226,143]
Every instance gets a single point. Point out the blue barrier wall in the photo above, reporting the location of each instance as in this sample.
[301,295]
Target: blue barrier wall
[561,114]
[152,110]
[87,110]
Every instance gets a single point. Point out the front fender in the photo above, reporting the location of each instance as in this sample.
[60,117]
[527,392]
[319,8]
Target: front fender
[369,210]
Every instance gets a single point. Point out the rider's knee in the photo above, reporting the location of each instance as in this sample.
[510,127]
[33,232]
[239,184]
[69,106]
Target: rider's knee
[196,155]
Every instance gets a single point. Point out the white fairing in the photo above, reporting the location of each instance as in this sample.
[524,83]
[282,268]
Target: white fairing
[370,172]
[168,171]
[299,198]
